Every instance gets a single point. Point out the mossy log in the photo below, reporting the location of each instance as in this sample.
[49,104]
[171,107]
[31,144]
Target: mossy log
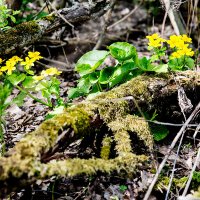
[29,32]
[24,163]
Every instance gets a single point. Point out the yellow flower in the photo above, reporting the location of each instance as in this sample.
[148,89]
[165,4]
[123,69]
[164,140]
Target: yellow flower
[155,40]
[1,60]
[4,68]
[176,55]
[154,43]
[185,38]
[178,41]
[38,78]
[15,59]
[186,51]
[175,41]
[50,72]
[28,63]
[9,67]
[153,37]
[34,55]
[182,52]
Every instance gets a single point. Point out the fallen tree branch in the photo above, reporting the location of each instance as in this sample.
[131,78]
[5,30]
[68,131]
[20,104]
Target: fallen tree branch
[23,164]
[29,32]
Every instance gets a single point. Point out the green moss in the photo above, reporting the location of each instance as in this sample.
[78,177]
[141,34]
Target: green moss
[50,18]
[72,167]
[123,142]
[105,149]
[25,157]
[133,124]
[116,114]
[163,183]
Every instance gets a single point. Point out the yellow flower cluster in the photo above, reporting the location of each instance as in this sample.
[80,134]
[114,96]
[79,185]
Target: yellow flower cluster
[29,61]
[155,40]
[48,72]
[11,63]
[180,43]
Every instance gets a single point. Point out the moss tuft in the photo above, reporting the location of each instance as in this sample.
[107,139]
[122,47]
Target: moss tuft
[105,149]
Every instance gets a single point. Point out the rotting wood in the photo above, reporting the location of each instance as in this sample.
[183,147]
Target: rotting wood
[23,163]
[29,32]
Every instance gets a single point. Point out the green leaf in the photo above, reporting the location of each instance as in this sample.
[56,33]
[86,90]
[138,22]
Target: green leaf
[84,85]
[46,93]
[41,14]
[15,79]
[12,18]
[90,61]
[19,99]
[154,58]
[93,77]
[44,84]
[189,62]
[56,111]
[16,12]
[28,71]
[5,91]
[118,79]
[175,64]
[123,188]
[160,68]
[159,131]
[55,86]
[122,51]
[106,74]
[144,64]
[28,82]
[83,69]
[93,95]
[74,93]
[122,74]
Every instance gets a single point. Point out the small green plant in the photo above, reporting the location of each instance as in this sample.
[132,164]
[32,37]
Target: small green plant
[5,91]
[25,80]
[94,80]
[6,14]
[123,188]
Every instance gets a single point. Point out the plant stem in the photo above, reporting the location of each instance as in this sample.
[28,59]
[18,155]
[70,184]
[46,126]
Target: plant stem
[30,95]
[99,86]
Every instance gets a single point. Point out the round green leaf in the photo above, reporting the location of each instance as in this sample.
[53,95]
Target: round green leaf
[159,131]
[90,61]
[122,51]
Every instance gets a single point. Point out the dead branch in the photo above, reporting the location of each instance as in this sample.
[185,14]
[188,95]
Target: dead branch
[30,32]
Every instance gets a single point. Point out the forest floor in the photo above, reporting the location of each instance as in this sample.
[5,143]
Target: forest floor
[24,119]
